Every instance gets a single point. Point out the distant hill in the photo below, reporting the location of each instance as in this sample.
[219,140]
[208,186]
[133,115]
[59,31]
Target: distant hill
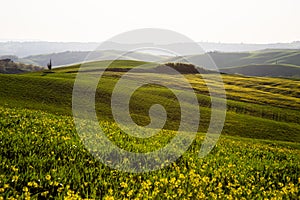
[269,62]
[71,57]
[221,59]
[225,60]
[23,49]
[265,70]
[7,66]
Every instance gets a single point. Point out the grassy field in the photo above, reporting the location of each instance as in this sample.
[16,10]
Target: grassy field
[257,157]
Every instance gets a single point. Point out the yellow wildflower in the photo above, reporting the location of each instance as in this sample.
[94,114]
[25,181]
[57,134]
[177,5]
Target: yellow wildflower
[14,169]
[181,176]
[44,194]
[124,184]
[109,198]
[48,177]
[15,178]
[25,189]
[130,193]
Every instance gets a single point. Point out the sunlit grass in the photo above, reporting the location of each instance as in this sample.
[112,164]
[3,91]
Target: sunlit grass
[42,157]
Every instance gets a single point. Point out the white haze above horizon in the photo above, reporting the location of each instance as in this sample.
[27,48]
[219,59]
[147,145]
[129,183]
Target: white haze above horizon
[227,21]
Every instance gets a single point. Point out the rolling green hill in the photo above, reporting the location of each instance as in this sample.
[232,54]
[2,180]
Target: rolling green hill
[225,60]
[71,57]
[267,102]
[277,58]
[265,70]
[42,156]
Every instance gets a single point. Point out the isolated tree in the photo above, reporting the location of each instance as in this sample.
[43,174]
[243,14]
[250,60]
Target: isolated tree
[49,65]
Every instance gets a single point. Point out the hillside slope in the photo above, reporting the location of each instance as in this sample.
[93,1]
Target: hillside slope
[71,57]
[225,60]
[265,70]
[265,58]
[265,108]
[43,156]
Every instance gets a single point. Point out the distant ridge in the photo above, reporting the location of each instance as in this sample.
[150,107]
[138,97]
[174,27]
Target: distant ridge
[266,62]
[265,70]
[71,57]
[27,48]
[235,59]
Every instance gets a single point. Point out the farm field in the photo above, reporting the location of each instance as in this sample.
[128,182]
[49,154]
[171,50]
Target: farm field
[257,156]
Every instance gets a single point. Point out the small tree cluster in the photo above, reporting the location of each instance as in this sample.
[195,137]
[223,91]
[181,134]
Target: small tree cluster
[183,68]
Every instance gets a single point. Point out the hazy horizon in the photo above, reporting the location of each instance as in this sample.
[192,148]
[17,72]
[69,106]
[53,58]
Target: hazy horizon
[231,21]
[213,42]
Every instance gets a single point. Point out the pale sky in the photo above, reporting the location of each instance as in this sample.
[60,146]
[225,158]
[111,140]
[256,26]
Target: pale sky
[247,21]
